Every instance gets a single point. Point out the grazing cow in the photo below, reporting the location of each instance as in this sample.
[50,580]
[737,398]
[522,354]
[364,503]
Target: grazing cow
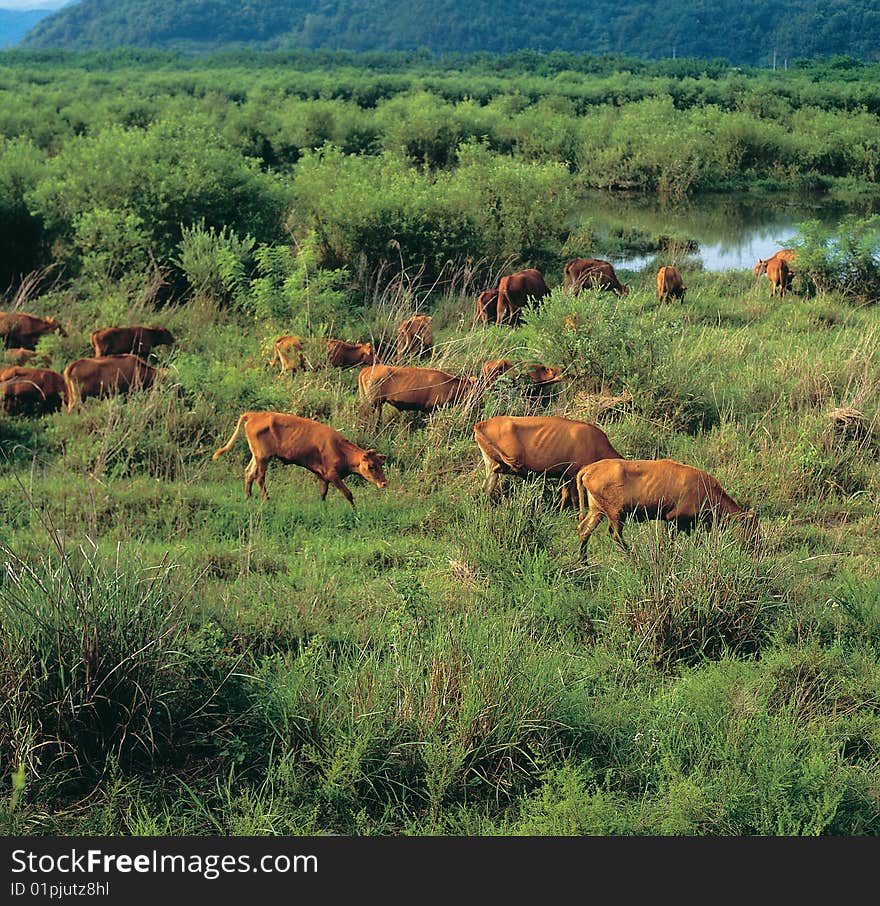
[107,375]
[346,355]
[288,351]
[31,389]
[669,284]
[413,389]
[25,330]
[487,303]
[652,489]
[594,272]
[18,355]
[780,276]
[787,255]
[303,442]
[138,340]
[515,290]
[546,445]
[415,337]
[539,375]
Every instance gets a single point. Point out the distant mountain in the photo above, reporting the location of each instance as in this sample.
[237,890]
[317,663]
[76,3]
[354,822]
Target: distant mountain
[15,23]
[747,32]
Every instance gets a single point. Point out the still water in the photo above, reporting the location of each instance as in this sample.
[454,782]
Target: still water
[732,230]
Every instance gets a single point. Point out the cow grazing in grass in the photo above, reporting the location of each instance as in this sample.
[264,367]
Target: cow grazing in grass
[287,352]
[514,293]
[591,272]
[415,337]
[137,340]
[669,284]
[540,376]
[303,442]
[31,390]
[652,489]
[18,355]
[106,376]
[413,389]
[341,354]
[539,445]
[23,330]
[789,256]
[487,306]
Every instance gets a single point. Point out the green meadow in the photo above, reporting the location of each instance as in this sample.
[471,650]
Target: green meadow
[176,659]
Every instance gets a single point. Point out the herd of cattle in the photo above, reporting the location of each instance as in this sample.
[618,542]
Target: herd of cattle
[593,473]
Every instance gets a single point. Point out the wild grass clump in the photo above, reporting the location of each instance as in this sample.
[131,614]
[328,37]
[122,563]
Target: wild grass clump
[682,600]
[99,664]
[466,710]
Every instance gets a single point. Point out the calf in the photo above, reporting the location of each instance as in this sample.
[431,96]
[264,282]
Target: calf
[669,284]
[288,352]
[107,375]
[31,390]
[17,329]
[652,489]
[303,442]
[415,337]
[413,389]
[138,340]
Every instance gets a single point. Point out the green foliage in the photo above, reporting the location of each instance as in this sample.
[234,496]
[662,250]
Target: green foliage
[215,262]
[845,259]
[292,292]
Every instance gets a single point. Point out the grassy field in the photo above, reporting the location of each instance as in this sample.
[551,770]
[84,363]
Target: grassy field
[177,659]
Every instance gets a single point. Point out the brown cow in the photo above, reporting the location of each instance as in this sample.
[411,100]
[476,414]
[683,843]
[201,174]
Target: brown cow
[546,445]
[652,489]
[787,255]
[138,340]
[288,351]
[780,276]
[106,375]
[18,355]
[594,272]
[25,330]
[413,389]
[487,303]
[415,336]
[539,375]
[669,284]
[31,389]
[303,442]
[341,354]
[515,290]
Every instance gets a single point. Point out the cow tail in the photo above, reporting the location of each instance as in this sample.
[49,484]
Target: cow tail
[93,340]
[503,301]
[484,443]
[242,419]
[274,361]
[70,386]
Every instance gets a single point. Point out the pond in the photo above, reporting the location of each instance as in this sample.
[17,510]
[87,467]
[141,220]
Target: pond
[732,230]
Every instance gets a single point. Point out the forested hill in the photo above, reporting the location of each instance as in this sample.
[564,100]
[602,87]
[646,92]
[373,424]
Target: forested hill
[747,32]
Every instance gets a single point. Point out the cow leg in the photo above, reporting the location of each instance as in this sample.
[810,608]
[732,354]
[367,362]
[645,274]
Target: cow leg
[339,484]
[490,487]
[615,529]
[260,475]
[586,528]
[569,494]
[323,486]
[249,474]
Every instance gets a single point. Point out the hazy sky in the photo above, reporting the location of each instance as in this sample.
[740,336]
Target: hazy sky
[30,4]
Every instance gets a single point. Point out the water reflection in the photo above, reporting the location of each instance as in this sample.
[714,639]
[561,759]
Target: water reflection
[732,230]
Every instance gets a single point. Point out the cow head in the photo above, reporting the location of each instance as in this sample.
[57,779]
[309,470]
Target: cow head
[544,374]
[162,336]
[370,467]
[624,289]
[56,326]
[746,523]
[368,356]
[760,268]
